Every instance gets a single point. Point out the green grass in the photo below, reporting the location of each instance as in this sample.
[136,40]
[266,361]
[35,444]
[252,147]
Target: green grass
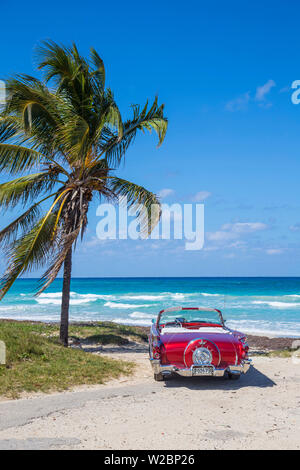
[280,353]
[275,353]
[107,333]
[36,362]
[104,339]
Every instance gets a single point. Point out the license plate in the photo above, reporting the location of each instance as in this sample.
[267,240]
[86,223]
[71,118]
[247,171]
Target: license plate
[204,370]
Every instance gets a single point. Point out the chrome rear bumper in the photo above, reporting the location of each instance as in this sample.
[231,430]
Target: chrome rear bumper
[188,372]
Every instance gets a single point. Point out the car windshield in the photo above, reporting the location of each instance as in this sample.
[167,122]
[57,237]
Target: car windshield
[190,316]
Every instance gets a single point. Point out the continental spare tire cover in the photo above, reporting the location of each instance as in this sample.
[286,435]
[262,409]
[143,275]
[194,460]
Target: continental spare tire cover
[201,352]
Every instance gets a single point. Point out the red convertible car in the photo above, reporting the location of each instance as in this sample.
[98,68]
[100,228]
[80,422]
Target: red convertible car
[195,342]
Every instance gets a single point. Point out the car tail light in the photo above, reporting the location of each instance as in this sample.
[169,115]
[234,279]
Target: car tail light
[244,348]
[156,352]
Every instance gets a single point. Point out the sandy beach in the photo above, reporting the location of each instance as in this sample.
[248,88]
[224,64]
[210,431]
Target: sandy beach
[260,411]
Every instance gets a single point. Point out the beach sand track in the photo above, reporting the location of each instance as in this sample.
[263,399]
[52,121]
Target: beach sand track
[260,411]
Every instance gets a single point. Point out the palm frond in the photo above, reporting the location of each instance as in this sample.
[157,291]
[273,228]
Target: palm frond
[99,71]
[24,189]
[55,61]
[69,71]
[115,149]
[10,126]
[30,98]
[23,223]
[32,250]
[72,136]
[15,159]
[29,252]
[146,202]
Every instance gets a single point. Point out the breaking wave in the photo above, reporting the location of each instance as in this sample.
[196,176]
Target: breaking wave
[266,328]
[141,315]
[205,294]
[118,305]
[133,321]
[276,304]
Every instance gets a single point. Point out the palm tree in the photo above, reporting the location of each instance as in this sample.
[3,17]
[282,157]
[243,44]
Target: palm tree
[63,137]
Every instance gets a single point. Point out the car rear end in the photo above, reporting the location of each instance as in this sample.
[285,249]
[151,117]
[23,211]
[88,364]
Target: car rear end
[199,352]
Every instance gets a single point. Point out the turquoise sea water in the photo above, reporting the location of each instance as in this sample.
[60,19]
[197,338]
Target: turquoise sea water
[254,305]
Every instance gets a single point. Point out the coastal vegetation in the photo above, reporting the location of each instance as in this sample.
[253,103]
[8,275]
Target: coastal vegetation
[62,139]
[36,362]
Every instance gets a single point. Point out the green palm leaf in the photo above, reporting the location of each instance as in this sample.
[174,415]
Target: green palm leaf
[29,252]
[25,189]
[23,223]
[153,119]
[15,159]
[147,203]
[64,135]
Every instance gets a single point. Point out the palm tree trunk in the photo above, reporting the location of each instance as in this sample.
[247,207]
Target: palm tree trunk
[64,318]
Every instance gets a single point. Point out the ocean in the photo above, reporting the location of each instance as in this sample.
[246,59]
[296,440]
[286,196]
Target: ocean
[268,306]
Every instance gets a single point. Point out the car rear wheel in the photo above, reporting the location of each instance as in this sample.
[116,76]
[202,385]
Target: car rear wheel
[233,376]
[159,377]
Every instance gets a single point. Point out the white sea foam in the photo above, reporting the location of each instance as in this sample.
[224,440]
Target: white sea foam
[92,297]
[12,308]
[30,316]
[129,321]
[277,304]
[58,301]
[266,328]
[178,296]
[150,297]
[141,297]
[119,305]
[141,315]
[53,295]
[205,294]
[96,296]
[54,298]
[255,327]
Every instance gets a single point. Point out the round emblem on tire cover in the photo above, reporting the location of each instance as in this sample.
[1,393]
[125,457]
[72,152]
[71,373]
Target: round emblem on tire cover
[202,356]
[201,351]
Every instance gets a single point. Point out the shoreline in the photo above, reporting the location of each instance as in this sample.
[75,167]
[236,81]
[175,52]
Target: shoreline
[260,341]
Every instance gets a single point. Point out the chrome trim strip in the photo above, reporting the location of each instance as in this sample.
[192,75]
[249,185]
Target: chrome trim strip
[204,309]
[188,372]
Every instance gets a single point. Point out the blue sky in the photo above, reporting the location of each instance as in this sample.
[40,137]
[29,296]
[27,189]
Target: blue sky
[224,71]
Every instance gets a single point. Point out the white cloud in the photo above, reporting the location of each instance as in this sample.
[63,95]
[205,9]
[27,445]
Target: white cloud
[244,227]
[220,236]
[94,241]
[295,228]
[201,196]
[163,193]
[229,256]
[239,103]
[285,89]
[229,235]
[274,251]
[240,244]
[262,91]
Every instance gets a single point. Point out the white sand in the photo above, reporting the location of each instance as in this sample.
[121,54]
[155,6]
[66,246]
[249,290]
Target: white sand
[260,411]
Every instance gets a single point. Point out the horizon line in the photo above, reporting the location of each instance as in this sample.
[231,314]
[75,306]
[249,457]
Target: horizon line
[166,277]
